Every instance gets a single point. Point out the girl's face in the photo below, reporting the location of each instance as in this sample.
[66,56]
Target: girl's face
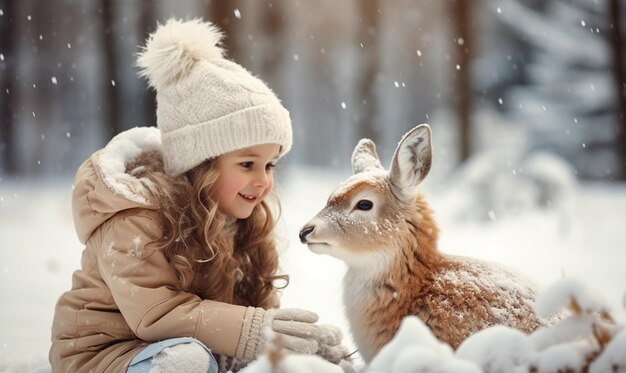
[246,178]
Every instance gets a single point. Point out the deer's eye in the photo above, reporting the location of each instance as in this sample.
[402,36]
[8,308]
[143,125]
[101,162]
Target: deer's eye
[364,205]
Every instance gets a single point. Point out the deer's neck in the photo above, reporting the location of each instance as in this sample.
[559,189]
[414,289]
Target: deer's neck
[378,297]
[388,274]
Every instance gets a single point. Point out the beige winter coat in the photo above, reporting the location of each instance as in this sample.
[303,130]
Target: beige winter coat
[124,296]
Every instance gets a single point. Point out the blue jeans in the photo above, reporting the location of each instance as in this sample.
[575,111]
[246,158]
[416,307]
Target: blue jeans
[143,361]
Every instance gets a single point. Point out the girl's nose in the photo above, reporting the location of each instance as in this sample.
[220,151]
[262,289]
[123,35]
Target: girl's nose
[262,179]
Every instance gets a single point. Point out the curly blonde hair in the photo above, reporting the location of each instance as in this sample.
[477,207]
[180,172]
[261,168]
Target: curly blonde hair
[206,262]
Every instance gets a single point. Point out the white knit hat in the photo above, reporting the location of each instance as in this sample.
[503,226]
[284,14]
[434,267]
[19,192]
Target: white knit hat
[207,105]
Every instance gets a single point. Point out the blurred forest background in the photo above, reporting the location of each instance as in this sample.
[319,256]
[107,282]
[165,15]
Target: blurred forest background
[524,75]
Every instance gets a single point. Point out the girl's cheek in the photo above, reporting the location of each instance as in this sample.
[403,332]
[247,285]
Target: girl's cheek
[268,189]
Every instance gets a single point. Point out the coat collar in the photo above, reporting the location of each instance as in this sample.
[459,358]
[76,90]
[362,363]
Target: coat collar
[122,149]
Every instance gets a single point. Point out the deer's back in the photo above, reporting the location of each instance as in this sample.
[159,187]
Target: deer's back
[466,295]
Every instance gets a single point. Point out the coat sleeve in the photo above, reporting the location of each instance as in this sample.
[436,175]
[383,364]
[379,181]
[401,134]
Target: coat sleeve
[143,286]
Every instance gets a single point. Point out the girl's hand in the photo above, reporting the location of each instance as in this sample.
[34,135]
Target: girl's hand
[298,332]
[330,347]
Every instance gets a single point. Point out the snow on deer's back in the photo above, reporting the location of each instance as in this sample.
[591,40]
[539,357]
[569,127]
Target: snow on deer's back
[381,226]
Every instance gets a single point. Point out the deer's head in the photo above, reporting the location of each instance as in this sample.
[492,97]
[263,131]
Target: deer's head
[367,216]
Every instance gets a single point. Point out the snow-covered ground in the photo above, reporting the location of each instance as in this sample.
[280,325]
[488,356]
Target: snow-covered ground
[584,237]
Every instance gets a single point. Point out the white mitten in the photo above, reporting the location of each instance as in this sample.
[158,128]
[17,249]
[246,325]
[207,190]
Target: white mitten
[299,331]
[329,344]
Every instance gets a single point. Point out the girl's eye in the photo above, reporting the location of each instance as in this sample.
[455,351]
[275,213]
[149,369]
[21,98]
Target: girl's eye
[269,166]
[247,165]
[364,205]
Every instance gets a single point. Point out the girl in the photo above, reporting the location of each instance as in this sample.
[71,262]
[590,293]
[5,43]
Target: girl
[180,262]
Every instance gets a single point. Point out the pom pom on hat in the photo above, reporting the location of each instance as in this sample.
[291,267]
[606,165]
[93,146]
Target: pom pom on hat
[207,105]
[175,47]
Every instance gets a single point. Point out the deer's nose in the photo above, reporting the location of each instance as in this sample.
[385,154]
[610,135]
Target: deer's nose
[304,232]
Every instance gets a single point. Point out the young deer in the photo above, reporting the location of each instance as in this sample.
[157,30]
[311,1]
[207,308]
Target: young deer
[381,226]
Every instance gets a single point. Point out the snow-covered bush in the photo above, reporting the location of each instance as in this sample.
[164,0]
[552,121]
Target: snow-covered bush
[415,349]
[613,359]
[583,334]
[496,184]
[498,349]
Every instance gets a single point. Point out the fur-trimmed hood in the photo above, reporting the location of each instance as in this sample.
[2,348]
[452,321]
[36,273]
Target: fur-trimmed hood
[103,187]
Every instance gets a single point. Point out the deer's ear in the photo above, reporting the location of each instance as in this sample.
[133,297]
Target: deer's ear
[364,157]
[411,162]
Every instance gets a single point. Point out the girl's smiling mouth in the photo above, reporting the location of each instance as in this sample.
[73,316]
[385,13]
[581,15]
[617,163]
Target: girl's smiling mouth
[247,198]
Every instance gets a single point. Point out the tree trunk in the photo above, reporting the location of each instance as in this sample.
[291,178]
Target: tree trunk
[147,24]
[8,94]
[273,24]
[111,98]
[462,95]
[370,27]
[222,14]
[619,72]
